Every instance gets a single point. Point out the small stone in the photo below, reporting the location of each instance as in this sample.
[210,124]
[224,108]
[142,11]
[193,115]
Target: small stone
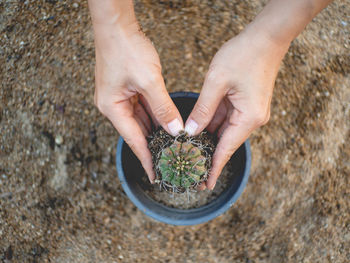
[283,113]
[188,55]
[106,158]
[75,5]
[59,140]
[120,256]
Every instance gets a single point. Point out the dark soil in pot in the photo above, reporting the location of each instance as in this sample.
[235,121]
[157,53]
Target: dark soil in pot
[189,199]
[174,160]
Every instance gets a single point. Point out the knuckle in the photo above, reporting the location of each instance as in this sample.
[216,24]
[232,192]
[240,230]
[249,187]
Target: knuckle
[163,111]
[130,143]
[259,117]
[223,155]
[152,80]
[202,111]
[216,76]
[227,156]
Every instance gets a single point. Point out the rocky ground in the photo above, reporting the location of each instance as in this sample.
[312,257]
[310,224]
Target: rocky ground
[60,199]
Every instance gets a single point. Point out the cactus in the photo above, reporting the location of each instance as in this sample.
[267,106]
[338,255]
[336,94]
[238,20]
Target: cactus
[182,165]
[181,162]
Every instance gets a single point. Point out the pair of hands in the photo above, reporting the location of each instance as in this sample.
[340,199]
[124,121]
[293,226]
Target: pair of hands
[235,98]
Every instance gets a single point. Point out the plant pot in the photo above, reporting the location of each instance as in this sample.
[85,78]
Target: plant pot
[130,172]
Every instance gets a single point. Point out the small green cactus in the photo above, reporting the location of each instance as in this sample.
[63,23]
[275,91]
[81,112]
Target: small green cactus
[182,165]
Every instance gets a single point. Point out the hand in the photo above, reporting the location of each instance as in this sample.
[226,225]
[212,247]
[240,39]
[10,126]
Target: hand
[236,94]
[129,86]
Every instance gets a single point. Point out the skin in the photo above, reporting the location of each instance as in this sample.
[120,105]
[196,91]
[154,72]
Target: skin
[236,94]
[129,84]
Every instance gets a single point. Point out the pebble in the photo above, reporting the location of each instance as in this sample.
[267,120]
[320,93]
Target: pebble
[59,139]
[94,175]
[106,159]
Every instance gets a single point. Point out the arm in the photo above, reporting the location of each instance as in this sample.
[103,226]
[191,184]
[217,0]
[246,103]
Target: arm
[237,91]
[112,12]
[129,83]
[283,20]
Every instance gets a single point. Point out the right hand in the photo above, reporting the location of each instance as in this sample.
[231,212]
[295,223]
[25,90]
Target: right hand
[129,85]
[236,95]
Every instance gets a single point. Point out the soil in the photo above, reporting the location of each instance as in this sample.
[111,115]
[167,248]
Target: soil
[191,198]
[60,199]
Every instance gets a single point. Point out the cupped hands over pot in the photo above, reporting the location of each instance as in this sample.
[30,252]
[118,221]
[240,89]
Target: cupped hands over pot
[237,90]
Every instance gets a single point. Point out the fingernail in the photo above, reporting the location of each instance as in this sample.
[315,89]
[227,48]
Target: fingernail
[191,127]
[175,127]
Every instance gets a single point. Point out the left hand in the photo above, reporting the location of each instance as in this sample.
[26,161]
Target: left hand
[236,95]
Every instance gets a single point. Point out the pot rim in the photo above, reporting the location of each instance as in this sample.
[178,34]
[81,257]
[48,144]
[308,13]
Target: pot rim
[191,221]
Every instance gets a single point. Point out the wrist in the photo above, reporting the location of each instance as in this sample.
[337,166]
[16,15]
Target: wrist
[110,38]
[263,41]
[111,13]
[282,20]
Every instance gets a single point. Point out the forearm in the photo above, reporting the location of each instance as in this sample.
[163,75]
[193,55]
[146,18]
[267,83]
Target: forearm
[112,12]
[282,20]
[112,21]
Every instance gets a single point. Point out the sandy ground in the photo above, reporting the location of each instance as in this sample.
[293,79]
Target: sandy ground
[60,199]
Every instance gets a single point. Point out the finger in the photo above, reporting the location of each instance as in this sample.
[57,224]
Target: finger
[141,114]
[142,126]
[219,117]
[146,106]
[201,187]
[122,117]
[212,93]
[163,107]
[231,139]
[226,122]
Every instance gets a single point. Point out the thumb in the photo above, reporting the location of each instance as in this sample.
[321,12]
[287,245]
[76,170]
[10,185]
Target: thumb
[163,108]
[209,99]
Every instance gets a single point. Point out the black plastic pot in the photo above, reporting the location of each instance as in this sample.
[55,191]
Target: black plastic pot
[130,173]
